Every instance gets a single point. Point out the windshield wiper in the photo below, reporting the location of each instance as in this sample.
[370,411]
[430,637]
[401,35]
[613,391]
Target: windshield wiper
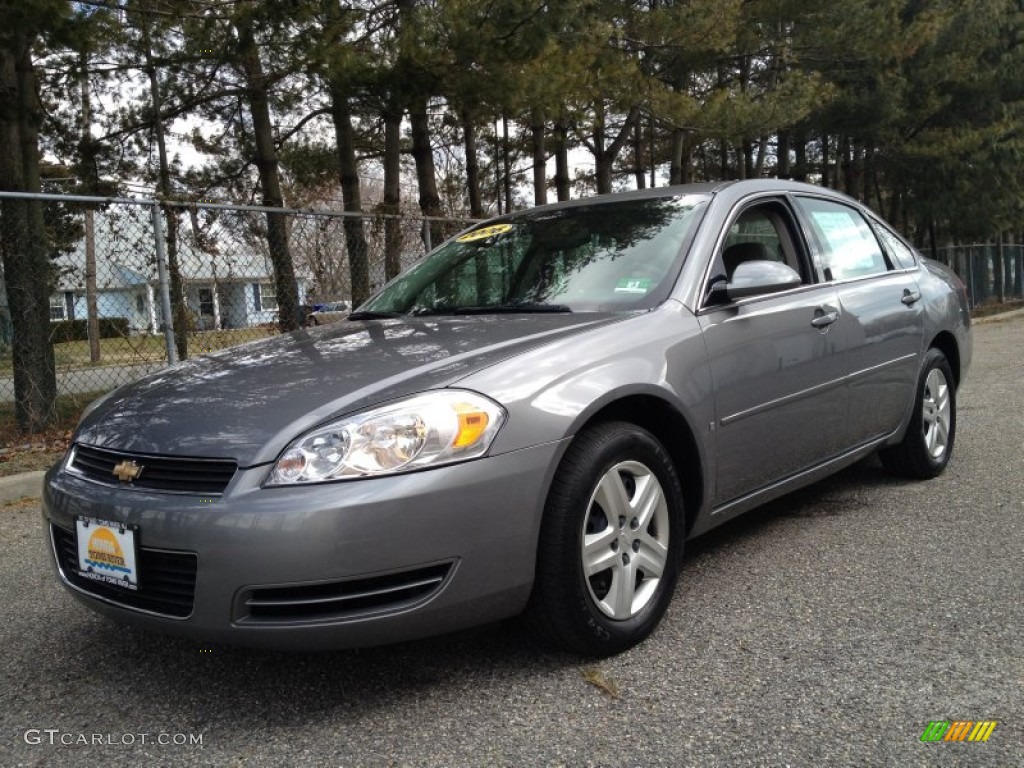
[496,309]
[369,314]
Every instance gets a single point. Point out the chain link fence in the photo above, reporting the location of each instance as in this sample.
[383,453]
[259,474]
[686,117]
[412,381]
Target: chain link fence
[992,272]
[134,285]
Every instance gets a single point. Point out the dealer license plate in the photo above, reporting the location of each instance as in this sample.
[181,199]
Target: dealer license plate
[107,552]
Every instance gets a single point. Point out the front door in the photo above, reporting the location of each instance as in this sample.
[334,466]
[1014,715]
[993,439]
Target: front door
[780,398]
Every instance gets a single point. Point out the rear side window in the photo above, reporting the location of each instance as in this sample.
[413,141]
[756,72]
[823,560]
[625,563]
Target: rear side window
[849,247]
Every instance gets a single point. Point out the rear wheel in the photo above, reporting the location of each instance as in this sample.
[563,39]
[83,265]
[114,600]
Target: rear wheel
[610,543]
[926,448]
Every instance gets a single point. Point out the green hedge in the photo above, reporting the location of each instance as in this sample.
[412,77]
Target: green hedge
[78,330]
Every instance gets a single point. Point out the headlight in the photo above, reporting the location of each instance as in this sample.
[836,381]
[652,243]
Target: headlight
[423,431]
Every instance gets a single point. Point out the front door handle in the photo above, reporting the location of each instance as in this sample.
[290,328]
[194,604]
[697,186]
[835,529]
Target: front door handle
[909,296]
[825,319]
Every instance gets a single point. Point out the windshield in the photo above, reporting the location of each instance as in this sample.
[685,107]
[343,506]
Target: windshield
[602,257]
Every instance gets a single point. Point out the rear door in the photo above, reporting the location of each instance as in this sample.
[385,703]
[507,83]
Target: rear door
[881,301]
[775,359]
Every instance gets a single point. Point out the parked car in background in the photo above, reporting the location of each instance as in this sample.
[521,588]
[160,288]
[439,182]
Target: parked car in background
[535,417]
[330,312]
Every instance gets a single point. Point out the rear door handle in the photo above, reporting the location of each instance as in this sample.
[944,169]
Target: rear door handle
[909,296]
[825,319]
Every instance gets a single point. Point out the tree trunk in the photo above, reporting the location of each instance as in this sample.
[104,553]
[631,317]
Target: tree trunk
[348,177]
[747,166]
[868,171]
[506,164]
[1018,268]
[999,261]
[604,157]
[88,175]
[638,151]
[1008,263]
[675,165]
[426,174]
[392,202]
[28,275]
[257,94]
[824,161]
[800,158]
[476,206]
[540,158]
[980,260]
[654,162]
[562,183]
[762,152]
[782,160]
[179,310]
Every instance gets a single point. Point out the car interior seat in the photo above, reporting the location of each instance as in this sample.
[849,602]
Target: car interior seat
[737,253]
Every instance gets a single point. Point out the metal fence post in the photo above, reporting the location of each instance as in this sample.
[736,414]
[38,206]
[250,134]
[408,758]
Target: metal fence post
[164,282]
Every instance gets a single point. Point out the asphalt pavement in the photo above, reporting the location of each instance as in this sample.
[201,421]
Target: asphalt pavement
[826,629]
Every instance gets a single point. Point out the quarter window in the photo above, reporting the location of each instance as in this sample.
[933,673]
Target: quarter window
[899,252]
[849,247]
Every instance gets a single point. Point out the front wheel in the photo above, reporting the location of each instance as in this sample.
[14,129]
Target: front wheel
[926,448]
[610,542]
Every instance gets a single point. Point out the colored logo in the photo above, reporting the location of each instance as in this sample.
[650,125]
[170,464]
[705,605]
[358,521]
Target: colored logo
[104,551]
[958,730]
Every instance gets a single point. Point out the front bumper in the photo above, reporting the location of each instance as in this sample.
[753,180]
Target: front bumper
[337,565]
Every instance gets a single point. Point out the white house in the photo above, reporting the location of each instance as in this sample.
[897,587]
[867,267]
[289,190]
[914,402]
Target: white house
[227,285]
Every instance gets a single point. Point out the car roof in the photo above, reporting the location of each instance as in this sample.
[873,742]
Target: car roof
[733,189]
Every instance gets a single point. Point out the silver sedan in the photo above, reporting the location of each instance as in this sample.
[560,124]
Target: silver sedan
[533,419]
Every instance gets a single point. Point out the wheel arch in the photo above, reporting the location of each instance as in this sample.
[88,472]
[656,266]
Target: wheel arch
[946,343]
[672,429]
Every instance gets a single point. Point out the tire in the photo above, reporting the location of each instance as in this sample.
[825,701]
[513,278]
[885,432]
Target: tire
[928,444]
[633,553]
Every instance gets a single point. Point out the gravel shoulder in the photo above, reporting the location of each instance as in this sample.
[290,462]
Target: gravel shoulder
[825,629]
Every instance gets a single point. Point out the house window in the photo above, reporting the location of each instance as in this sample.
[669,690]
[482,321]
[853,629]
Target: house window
[267,298]
[206,301]
[58,308]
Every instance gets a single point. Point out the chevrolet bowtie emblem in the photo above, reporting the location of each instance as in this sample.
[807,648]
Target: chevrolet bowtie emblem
[127,471]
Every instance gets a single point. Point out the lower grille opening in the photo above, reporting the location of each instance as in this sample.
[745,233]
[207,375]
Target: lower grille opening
[343,599]
[167,580]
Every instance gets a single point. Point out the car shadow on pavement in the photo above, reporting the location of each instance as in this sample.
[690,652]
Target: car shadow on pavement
[834,496]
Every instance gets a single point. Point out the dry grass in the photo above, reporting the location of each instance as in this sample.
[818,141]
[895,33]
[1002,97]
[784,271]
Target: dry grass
[993,307]
[27,453]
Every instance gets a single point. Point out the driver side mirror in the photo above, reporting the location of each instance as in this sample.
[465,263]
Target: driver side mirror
[759,277]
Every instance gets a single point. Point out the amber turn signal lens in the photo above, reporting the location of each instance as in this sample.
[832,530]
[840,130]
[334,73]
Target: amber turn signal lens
[472,423]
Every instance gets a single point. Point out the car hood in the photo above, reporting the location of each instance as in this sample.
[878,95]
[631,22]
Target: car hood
[249,402]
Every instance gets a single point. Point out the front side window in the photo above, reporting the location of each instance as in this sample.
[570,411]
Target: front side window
[761,233]
[602,257]
[849,247]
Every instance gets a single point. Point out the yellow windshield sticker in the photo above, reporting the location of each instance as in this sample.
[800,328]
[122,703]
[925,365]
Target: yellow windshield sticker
[484,232]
